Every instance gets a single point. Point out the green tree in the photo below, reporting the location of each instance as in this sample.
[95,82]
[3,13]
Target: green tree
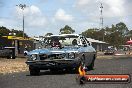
[67,30]
[19,33]
[5,32]
[122,29]
[48,34]
[93,33]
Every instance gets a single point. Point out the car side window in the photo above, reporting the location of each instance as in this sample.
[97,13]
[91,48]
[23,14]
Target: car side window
[88,42]
[83,42]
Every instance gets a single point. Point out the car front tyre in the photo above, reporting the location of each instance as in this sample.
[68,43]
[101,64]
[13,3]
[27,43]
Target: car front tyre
[34,71]
[91,66]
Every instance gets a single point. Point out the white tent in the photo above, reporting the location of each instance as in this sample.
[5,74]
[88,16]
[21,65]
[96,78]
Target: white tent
[95,41]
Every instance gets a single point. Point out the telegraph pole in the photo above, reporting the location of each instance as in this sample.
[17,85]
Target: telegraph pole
[22,7]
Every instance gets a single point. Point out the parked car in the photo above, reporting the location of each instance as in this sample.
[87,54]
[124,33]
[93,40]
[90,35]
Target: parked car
[66,51]
[109,52]
[7,52]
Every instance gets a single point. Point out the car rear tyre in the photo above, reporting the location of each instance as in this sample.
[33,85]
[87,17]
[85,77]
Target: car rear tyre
[34,71]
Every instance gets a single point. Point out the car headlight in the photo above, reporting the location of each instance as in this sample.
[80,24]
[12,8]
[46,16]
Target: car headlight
[71,55]
[34,57]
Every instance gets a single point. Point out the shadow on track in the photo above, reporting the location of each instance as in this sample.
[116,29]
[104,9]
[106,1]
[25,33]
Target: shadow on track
[48,72]
[58,72]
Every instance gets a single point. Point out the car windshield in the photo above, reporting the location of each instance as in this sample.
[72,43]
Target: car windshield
[63,40]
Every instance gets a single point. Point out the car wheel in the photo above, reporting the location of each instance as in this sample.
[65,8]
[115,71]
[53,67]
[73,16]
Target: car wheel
[8,57]
[34,71]
[11,56]
[83,63]
[91,66]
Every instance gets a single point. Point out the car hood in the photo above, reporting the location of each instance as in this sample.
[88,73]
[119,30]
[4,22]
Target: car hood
[54,51]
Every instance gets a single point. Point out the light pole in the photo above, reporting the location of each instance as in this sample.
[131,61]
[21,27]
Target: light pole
[101,22]
[101,18]
[22,6]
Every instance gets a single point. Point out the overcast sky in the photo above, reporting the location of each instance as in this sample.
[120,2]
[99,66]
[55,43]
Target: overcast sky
[44,16]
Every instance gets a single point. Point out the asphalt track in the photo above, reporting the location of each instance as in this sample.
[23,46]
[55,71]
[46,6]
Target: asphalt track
[46,79]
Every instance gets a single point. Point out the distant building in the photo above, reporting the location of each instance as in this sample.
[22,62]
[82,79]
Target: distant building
[18,43]
[98,45]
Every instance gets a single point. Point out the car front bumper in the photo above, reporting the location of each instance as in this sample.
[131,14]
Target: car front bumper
[61,64]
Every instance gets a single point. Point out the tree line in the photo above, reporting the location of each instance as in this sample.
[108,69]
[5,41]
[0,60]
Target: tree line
[5,32]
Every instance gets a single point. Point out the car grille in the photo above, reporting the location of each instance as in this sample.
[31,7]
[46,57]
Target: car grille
[52,56]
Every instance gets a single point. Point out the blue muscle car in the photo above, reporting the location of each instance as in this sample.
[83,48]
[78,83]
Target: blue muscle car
[65,51]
